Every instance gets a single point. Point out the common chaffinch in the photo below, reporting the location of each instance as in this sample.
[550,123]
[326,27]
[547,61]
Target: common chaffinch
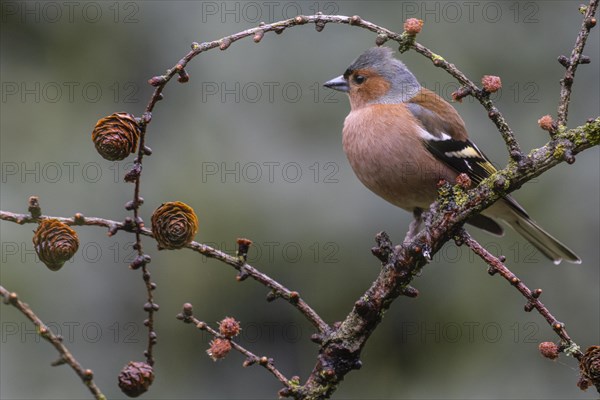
[402,138]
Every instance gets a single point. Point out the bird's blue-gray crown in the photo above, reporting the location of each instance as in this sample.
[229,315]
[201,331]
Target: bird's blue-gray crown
[403,84]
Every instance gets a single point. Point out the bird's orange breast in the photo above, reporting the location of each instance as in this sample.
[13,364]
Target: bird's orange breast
[381,143]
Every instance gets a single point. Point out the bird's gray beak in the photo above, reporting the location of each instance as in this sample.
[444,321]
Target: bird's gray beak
[340,83]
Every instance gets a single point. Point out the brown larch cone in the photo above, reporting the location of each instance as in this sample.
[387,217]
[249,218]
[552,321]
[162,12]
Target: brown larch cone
[229,327]
[135,378]
[55,243]
[174,225]
[116,136]
[219,348]
[589,367]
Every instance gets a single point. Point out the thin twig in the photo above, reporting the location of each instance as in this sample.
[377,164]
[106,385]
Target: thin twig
[291,296]
[482,96]
[320,20]
[566,83]
[135,176]
[86,375]
[251,358]
[498,266]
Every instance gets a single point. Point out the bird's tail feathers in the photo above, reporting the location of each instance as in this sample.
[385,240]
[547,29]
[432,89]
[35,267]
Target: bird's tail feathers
[541,240]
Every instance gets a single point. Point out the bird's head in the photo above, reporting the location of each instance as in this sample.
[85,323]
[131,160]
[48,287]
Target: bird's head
[376,77]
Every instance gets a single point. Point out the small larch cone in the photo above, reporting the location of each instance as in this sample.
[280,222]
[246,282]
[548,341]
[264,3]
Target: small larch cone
[412,26]
[135,378]
[116,136]
[55,243]
[589,367]
[229,327]
[219,348]
[174,225]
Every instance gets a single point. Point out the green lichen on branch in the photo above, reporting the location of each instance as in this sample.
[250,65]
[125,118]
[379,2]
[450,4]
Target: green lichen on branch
[591,133]
[455,205]
[539,160]
[437,57]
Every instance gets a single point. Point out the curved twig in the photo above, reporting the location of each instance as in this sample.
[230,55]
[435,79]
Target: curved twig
[86,375]
[113,226]
[497,266]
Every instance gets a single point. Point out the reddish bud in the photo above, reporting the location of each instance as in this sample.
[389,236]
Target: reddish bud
[463,181]
[547,123]
[491,83]
[243,247]
[558,326]
[294,297]
[258,36]
[412,26]
[79,218]
[229,327]
[219,348]
[549,350]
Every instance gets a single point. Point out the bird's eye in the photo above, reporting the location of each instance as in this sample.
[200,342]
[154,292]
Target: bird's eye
[359,79]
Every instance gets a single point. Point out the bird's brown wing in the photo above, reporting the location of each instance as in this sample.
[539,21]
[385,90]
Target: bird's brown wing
[461,155]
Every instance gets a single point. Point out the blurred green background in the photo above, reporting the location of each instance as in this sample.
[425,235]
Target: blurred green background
[253,144]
